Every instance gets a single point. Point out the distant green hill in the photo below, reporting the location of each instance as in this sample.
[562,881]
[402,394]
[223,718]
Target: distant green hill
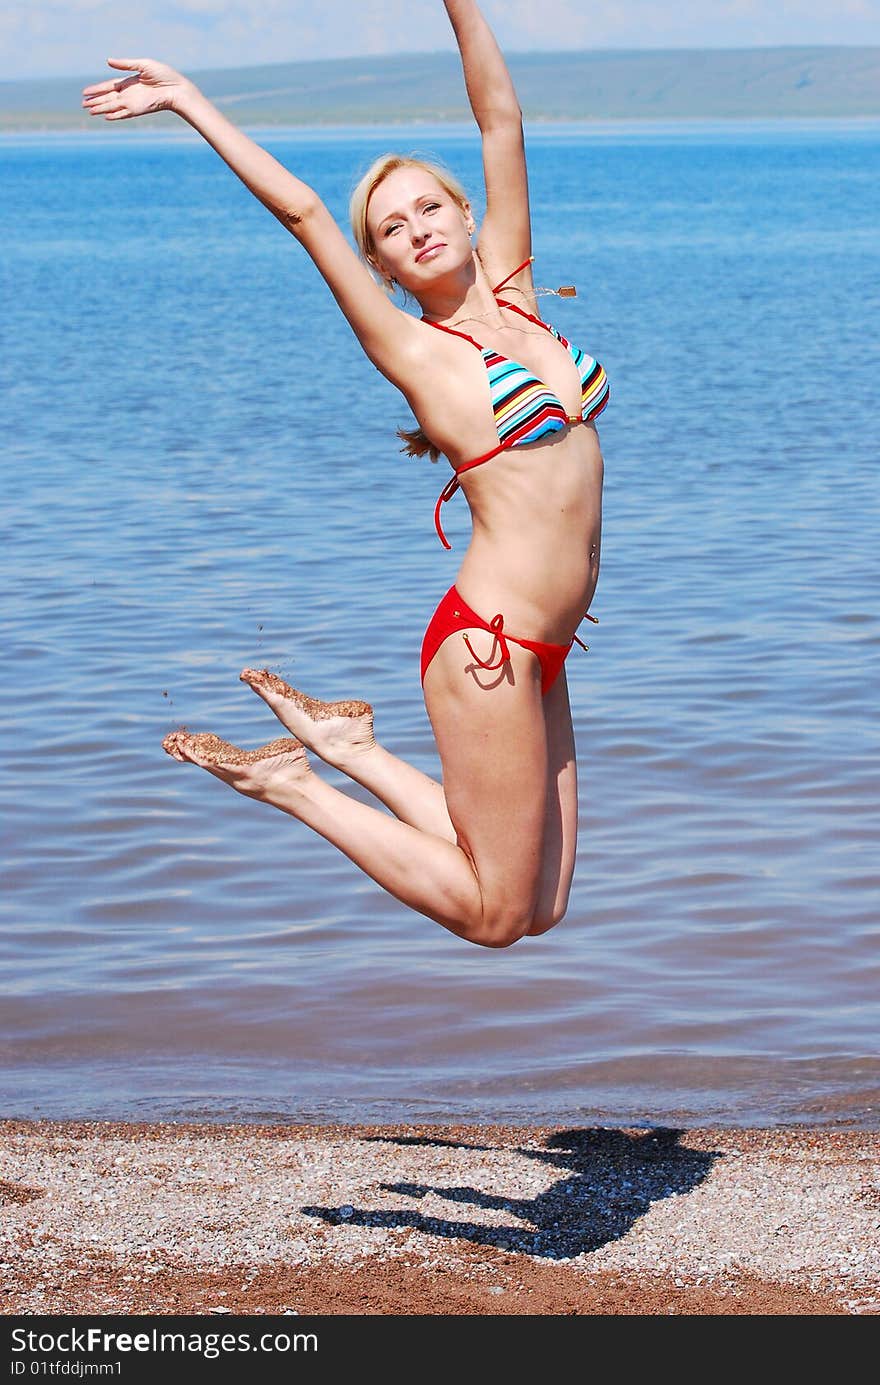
[646,84]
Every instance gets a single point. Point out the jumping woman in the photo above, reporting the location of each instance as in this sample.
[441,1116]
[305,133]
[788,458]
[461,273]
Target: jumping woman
[490,852]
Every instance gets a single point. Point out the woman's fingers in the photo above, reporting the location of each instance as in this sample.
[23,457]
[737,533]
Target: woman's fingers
[118,83]
[100,105]
[108,88]
[100,87]
[128,64]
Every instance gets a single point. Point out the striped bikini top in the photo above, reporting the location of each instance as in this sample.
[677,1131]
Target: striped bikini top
[525,409]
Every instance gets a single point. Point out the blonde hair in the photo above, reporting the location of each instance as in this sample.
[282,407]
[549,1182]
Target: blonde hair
[415,443]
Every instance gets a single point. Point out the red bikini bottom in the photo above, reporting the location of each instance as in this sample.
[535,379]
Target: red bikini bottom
[454,614]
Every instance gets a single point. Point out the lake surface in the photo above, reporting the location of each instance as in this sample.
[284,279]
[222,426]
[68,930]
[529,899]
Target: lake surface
[200,471]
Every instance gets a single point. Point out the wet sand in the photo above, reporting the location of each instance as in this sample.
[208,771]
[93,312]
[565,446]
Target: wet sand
[106,1218]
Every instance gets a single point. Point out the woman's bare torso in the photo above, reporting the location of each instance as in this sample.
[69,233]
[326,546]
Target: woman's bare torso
[534,552]
[536,509]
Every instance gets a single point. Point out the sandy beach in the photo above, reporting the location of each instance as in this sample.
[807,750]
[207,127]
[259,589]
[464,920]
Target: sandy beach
[107,1218]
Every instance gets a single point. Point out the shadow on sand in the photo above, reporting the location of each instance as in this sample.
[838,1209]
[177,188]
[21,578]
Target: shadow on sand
[610,1179]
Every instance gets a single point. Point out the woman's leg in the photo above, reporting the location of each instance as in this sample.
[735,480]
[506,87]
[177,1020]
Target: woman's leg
[561,821]
[341,733]
[493,749]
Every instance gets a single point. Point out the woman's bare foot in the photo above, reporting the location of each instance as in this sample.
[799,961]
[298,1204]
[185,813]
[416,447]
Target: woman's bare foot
[337,731]
[265,773]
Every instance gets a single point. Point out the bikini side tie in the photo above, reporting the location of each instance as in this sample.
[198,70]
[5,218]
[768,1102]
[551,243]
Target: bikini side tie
[496,625]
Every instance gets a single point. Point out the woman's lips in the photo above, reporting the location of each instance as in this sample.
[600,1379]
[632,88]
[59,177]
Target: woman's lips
[429,249]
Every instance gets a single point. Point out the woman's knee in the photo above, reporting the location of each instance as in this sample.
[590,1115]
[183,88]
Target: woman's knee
[507,926]
[504,924]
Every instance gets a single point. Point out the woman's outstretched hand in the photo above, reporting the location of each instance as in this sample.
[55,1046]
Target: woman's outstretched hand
[152,86]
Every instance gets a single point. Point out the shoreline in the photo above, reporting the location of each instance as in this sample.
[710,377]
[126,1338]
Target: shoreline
[106,1217]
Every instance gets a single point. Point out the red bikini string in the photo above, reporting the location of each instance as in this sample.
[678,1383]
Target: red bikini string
[513,273]
[447,493]
[577,638]
[496,625]
[453,484]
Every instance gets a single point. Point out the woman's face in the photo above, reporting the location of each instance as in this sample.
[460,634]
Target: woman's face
[419,231]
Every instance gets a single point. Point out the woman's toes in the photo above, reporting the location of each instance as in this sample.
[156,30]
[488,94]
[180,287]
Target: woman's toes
[198,749]
[174,742]
[262,681]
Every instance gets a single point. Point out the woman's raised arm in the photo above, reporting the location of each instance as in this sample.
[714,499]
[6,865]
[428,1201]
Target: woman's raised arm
[388,335]
[505,237]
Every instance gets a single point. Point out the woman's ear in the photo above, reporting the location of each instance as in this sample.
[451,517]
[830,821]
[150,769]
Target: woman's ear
[388,284]
[469,218]
[382,273]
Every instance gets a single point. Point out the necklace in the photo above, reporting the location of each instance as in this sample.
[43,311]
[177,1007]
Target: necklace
[539,291]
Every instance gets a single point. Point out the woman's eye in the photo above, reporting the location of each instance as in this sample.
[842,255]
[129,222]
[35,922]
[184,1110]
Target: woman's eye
[432,207]
[390,229]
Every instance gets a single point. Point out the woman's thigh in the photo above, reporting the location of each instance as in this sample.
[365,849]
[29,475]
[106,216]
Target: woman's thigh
[561,820]
[491,737]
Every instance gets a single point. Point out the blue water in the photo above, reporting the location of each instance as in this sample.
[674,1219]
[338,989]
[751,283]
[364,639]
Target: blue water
[199,471]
